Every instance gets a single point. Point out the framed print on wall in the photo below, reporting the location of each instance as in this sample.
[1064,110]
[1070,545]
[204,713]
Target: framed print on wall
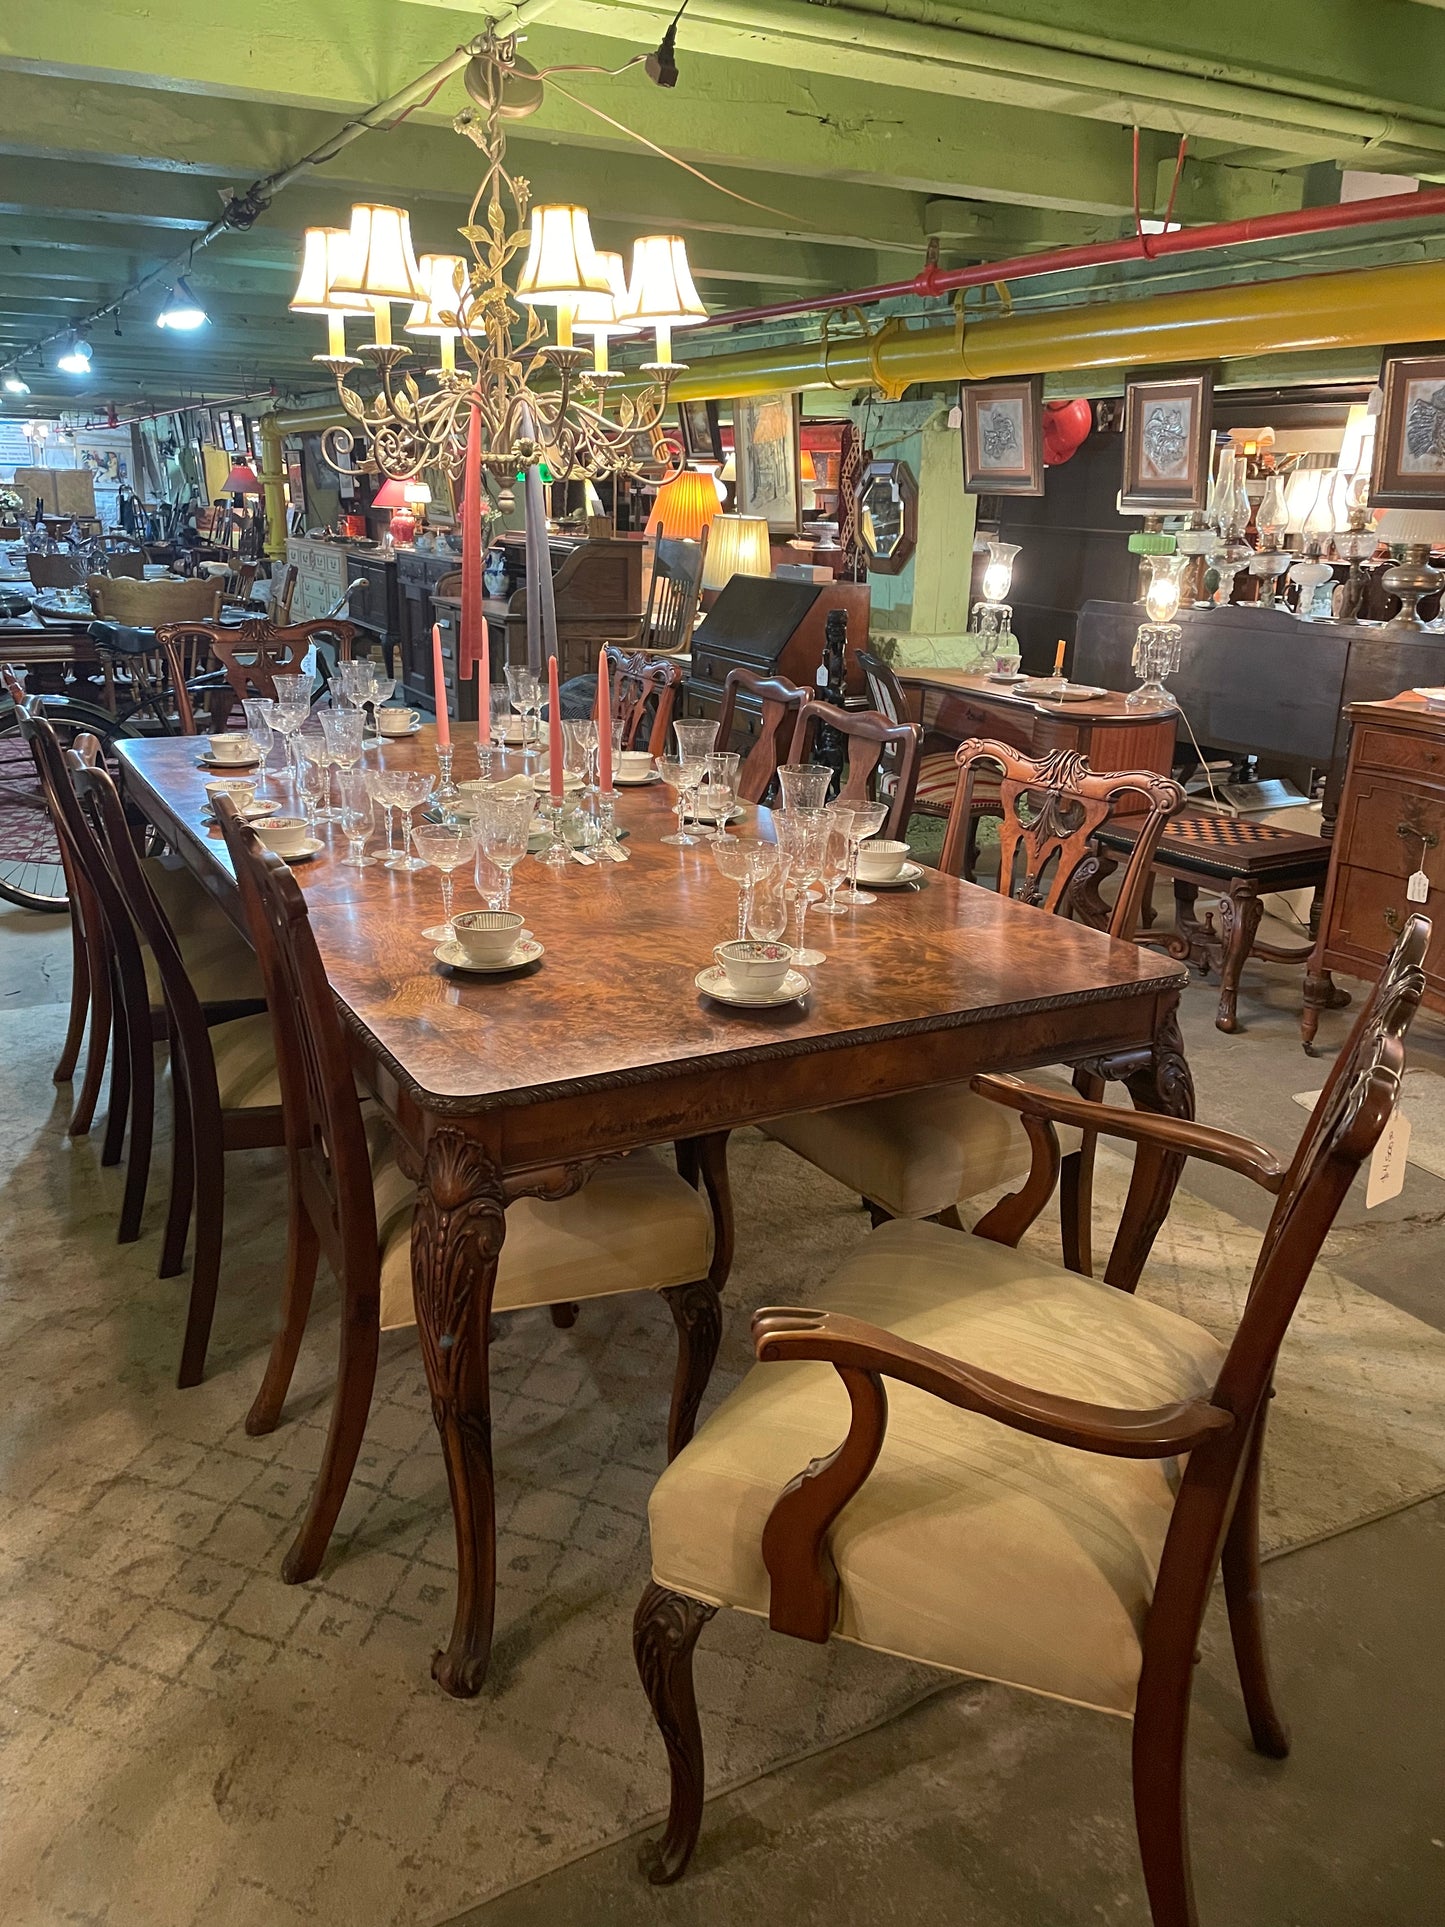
[766,437]
[1167,426]
[1003,436]
[701,434]
[1408,470]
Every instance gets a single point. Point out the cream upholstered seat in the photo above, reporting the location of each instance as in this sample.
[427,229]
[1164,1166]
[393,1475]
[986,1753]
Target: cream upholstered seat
[634,1226]
[220,963]
[972,1546]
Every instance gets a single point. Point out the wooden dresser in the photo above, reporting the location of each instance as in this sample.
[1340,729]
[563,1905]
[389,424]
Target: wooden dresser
[1391,823]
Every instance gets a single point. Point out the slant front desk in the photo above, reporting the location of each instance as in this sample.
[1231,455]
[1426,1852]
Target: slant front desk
[1262,682]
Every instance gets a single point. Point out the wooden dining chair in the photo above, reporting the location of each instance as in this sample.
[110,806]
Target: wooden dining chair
[248,655]
[225,1090]
[146,605]
[54,571]
[126,562]
[633,1225]
[673,597]
[779,701]
[882,757]
[1055,1474]
[936,772]
[282,590]
[644,695]
[922,1154]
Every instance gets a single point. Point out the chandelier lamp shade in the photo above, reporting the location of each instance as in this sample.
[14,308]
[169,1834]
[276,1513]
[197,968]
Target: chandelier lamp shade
[326,251]
[660,291]
[685,505]
[736,545]
[562,267]
[600,315]
[379,266]
[444,276]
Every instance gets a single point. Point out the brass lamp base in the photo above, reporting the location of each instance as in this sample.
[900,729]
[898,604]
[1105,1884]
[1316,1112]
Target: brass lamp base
[1409,579]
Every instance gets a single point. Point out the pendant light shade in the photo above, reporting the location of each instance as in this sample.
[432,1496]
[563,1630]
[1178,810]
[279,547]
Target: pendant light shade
[327,252]
[561,265]
[660,291]
[736,545]
[685,505]
[379,264]
[441,276]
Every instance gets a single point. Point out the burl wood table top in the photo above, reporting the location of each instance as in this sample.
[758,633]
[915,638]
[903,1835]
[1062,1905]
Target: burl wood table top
[613,1001]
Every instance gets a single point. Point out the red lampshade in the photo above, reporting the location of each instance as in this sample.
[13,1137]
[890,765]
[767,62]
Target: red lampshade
[391,495]
[684,506]
[242,481]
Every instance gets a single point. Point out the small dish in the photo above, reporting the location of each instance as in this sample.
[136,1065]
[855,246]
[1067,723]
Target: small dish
[252,813]
[907,876]
[714,983]
[527,950]
[396,735]
[309,849]
[636,782]
[542,782]
[206,761]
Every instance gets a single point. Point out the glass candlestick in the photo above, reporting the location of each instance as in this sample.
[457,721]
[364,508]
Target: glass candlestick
[1156,655]
[446,791]
[556,852]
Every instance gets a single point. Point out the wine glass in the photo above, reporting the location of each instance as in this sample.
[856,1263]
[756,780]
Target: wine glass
[802,837]
[722,788]
[503,828]
[804,786]
[311,777]
[408,789]
[383,688]
[833,855]
[865,820]
[745,864]
[357,816]
[446,847]
[293,705]
[574,749]
[671,769]
[378,785]
[259,713]
[768,910]
[587,737]
[343,729]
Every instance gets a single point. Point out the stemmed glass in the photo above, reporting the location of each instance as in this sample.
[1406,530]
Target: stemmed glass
[865,820]
[802,837]
[745,864]
[357,816]
[804,786]
[311,777]
[833,854]
[722,789]
[446,847]
[768,911]
[260,711]
[587,737]
[382,689]
[408,790]
[378,785]
[342,729]
[670,770]
[503,827]
[293,706]
[574,749]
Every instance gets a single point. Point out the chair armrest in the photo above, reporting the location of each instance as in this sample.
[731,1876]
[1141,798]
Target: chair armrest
[1235,1153]
[849,1343]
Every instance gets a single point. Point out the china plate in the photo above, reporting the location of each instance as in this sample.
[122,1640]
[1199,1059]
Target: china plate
[396,735]
[910,873]
[527,950]
[252,813]
[304,855]
[714,981]
[207,761]
[636,782]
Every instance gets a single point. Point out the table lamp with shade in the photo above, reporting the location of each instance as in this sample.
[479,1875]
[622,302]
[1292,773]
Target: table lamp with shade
[686,503]
[397,496]
[241,481]
[1416,531]
[736,545]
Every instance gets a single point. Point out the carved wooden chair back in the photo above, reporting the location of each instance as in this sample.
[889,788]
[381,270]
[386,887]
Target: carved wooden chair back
[54,571]
[1050,808]
[283,588]
[780,701]
[145,605]
[325,1137]
[644,694]
[127,562]
[673,598]
[251,654]
[882,756]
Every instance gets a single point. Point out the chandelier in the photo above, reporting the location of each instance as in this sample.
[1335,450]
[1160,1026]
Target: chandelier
[519,398]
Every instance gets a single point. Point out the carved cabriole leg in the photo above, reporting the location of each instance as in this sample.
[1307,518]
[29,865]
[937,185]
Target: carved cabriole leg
[456,1241]
[1246,1608]
[712,1158]
[1321,993]
[1162,1084]
[697,1313]
[665,1630]
[1076,1189]
[1239,915]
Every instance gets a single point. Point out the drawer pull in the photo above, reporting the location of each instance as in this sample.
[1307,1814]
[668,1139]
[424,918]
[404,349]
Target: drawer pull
[1427,838]
[1392,921]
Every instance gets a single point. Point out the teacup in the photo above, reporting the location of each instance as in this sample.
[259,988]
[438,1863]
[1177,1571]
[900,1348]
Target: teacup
[393,719]
[487,936]
[880,859]
[632,763]
[285,835]
[232,747]
[755,968]
[240,789]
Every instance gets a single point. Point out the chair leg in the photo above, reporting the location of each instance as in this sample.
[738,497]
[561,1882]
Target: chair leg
[665,1630]
[351,1405]
[209,1178]
[302,1251]
[183,1177]
[79,1003]
[96,1051]
[564,1316]
[697,1314]
[118,1105]
[1076,1207]
[142,1136]
[948,1217]
[1161,1731]
[1243,1596]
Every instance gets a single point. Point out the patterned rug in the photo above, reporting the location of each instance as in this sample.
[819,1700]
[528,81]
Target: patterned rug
[187,1742]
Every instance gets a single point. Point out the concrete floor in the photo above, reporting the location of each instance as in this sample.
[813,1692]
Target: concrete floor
[986,1808]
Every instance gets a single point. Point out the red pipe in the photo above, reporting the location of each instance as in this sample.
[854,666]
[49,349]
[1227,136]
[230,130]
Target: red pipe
[934,281]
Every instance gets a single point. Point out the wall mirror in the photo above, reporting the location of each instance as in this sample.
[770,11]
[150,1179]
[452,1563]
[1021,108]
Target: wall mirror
[888,515]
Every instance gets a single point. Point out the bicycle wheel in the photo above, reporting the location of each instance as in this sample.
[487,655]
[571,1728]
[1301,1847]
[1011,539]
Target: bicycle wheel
[31,874]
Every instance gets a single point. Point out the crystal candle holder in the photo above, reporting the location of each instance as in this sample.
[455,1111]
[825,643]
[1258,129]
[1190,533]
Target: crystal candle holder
[1156,655]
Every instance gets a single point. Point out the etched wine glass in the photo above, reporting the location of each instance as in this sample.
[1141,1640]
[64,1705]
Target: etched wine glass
[358,816]
[745,864]
[833,853]
[378,783]
[343,729]
[409,789]
[721,777]
[802,838]
[865,820]
[260,712]
[503,828]
[311,773]
[446,847]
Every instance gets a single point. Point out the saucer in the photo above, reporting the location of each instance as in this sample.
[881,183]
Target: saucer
[636,782]
[304,855]
[397,735]
[910,873]
[999,675]
[526,950]
[542,782]
[713,817]
[252,813]
[714,980]
[207,761]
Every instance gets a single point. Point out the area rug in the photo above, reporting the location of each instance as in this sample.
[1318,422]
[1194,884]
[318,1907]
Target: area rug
[187,1742]
[1422,1098]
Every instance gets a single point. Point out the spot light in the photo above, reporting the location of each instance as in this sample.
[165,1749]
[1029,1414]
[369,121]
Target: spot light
[181,309]
[76,358]
[15,385]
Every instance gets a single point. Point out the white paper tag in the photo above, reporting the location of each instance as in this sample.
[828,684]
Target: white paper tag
[1418,888]
[955,416]
[1387,1166]
[583,856]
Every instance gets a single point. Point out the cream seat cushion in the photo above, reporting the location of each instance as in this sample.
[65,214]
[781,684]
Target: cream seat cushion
[220,963]
[245,1055]
[972,1546]
[921,1152]
[634,1226]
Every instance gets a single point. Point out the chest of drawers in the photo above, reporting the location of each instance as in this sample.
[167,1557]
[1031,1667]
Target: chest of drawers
[1391,825]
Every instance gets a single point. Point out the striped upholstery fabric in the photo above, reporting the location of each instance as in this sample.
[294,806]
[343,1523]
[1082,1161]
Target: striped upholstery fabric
[938,779]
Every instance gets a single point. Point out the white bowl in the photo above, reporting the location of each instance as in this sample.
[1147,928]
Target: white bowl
[234,746]
[756,968]
[632,762]
[488,936]
[880,859]
[286,835]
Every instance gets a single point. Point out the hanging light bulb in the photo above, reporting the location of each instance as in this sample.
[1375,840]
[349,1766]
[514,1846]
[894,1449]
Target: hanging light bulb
[76,358]
[181,310]
[15,385]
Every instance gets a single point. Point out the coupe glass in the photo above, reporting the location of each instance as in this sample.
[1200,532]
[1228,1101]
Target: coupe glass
[745,864]
[378,784]
[503,827]
[408,789]
[722,788]
[804,785]
[802,838]
[446,847]
[358,817]
[865,820]
[260,710]
[834,853]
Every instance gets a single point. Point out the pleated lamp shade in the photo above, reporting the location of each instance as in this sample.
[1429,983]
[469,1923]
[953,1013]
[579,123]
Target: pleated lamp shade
[602,313]
[1400,527]
[736,545]
[684,506]
[326,256]
[380,264]
[660,292]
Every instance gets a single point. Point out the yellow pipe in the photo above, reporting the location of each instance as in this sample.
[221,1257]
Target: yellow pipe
[279,422]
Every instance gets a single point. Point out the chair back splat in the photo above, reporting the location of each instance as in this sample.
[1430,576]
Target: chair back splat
[882,757]
[251,654]
[644,695]
[780,701]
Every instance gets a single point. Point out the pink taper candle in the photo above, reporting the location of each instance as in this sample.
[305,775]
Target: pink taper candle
[554,731]
[604,726]
[484,690]
[473,624]
[439,685]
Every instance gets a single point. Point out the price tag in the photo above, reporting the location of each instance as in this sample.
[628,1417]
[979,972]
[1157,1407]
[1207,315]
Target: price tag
[955,416]
[1387,1166]
[1418,888]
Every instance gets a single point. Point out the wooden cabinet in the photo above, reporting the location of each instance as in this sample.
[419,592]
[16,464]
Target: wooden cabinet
[956,704]
[320,576]
[1391,825]
[416,577]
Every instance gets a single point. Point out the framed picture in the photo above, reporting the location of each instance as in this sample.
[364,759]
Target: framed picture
[701,434]
[766,454]
[1408,470]
[1167,426]
[1003,436]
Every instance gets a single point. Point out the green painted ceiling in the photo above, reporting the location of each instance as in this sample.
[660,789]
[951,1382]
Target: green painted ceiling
[872,127]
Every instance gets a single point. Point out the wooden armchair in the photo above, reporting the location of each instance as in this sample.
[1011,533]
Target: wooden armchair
[644,695]
[780,701]
[249,656]
[921,1155]
[1089,1459]
[146,605]
[881,755]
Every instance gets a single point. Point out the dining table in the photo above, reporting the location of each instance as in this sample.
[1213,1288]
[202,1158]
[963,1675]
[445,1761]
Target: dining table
[505,1086]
